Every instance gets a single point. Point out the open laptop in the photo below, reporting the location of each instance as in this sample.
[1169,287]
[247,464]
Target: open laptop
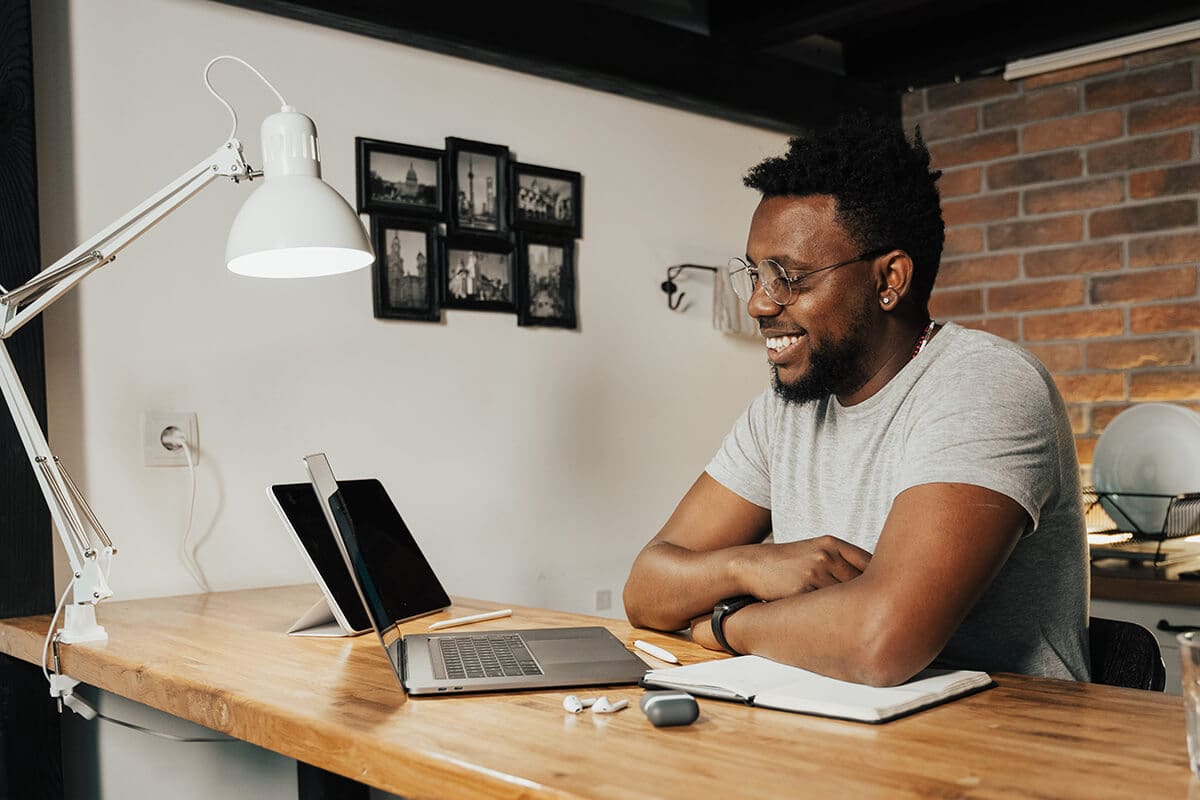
[484,661]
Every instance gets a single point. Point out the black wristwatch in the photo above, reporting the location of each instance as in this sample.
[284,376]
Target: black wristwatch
[722,611]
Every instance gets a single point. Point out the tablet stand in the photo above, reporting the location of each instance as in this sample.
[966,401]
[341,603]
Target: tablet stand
[319,621]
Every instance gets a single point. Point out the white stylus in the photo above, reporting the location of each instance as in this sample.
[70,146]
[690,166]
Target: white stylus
[450,623]
[655,651]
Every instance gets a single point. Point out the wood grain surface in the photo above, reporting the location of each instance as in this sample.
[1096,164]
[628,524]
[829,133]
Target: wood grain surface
[222,660]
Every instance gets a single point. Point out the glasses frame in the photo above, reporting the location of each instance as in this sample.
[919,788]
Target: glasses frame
[753,271]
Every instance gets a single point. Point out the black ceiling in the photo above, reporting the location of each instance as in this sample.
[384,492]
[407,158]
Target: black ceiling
[779,64]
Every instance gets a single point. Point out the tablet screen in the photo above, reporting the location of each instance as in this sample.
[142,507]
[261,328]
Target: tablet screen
[405,582]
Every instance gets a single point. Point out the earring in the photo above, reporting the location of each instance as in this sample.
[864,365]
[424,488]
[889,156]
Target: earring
[887,300]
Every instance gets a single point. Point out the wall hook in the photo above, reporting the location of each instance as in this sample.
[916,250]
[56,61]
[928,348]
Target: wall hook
[670,287]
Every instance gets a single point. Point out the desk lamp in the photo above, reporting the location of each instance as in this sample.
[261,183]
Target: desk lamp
[295,225]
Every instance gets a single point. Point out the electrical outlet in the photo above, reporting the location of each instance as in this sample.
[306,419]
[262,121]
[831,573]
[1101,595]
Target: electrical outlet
[157,454]
[603,599]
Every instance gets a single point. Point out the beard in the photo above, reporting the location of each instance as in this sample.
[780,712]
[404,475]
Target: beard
[835,368]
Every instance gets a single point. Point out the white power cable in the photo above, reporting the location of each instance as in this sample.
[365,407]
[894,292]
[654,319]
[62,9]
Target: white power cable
[187,556]
[222,101]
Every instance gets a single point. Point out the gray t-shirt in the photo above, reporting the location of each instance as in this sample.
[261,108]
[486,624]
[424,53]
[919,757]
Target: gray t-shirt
[971,408]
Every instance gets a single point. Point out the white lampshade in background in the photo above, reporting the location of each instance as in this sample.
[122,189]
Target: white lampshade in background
[295,225]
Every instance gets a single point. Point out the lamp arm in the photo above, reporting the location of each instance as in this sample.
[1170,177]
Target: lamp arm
[88,548]
[22,304]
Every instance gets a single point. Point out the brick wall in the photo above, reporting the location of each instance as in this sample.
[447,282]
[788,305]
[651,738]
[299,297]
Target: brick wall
[1070,201]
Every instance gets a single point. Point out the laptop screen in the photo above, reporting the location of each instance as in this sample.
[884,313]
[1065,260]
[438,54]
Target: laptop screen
[393,579]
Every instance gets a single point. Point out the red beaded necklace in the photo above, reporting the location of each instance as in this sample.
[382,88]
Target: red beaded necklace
[924,340]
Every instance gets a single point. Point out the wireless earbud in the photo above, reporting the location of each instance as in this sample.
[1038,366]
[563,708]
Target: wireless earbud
[575,705]
[602,706]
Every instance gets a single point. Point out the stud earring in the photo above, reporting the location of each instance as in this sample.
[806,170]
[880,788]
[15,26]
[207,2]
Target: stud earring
[887,300]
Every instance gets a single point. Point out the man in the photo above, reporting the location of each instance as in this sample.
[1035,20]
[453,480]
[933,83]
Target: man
[920,480]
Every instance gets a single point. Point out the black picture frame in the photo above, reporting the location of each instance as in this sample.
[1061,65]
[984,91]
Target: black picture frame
[536,199]
[475,207]
[472,278]
[544,298]
[386,185]
[404,287]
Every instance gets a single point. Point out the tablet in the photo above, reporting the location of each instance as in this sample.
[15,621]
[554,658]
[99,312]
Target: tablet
[409,588]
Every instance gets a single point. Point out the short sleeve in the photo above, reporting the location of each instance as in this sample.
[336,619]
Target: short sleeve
[742,464]
[992,420]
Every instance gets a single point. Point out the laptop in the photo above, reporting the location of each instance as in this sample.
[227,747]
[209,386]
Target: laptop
[481,661]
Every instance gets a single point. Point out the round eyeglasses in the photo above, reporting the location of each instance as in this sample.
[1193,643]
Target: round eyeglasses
[779,286]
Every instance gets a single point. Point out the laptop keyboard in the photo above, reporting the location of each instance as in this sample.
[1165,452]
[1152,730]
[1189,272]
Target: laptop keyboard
[494,656]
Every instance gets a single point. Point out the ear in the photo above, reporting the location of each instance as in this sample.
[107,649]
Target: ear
[893,278]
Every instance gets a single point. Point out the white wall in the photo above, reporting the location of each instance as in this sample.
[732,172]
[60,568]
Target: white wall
[531,464]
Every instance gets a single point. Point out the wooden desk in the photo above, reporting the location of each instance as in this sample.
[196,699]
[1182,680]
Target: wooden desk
[222,661]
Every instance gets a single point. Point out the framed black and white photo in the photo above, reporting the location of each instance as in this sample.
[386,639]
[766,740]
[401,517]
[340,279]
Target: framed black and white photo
[546,280]
[546,200]
[407,261]
[400,179]
[477,177]
[479,274]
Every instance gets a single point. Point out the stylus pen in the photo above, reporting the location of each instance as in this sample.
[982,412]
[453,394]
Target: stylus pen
[450,623]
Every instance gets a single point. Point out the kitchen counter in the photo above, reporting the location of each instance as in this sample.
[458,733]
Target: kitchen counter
[1137,582]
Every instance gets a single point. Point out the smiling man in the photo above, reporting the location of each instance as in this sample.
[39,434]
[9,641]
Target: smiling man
[918,481]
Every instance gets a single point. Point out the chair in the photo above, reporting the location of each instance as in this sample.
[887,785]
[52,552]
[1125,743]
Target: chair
[1125,654]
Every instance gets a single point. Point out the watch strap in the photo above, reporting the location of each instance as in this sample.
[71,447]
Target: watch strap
[722,611]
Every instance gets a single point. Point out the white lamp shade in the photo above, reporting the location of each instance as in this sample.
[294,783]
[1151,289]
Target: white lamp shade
[296,226]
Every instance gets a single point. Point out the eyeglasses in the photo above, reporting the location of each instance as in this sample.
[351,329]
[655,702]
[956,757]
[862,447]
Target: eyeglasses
[781,288]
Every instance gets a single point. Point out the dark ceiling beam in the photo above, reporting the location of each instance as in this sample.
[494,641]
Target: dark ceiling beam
[603,49]
[767,23]
[933,52]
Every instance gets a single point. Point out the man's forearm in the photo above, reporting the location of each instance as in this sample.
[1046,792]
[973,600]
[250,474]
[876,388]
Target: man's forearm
[669,585]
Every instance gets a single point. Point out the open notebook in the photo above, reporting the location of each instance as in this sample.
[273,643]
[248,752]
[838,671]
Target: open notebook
[761,682]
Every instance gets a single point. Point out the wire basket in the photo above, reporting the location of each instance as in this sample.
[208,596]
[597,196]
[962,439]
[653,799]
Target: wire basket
[1141,517]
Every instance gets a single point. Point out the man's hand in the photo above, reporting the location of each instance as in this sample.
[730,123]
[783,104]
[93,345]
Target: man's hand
[702,633]
[775,571]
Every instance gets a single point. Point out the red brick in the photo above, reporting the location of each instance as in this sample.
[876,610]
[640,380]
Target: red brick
[956,303]
[1138,153]
[1035,296]
[1092,387]
[1075,413]
[1052,230]
[1004,327]
[988,208]
[958,182]
[1134,353]
[1103,415]
[1070,74]
[1136,287]
[984,147]
[945,124]
[1058,357]
[1073,260]
[1173,385]
[1074,196]
[912,103]
[961,241]
[1139,219]
[1134,86]
[972,91]
[1081,129]
[1159,55]
[1034,106]
[1174,113]
[985,269]
[1085,449]
[1168,181]
[1037,169]
[1074,325]
[1162,318]
[1153,251]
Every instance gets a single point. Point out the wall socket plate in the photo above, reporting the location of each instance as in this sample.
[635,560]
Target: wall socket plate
[154,453]
[604,600]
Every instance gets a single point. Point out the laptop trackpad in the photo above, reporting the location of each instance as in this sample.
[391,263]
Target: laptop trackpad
[571,651]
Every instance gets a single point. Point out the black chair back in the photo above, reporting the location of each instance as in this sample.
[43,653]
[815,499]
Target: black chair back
[1125,654]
